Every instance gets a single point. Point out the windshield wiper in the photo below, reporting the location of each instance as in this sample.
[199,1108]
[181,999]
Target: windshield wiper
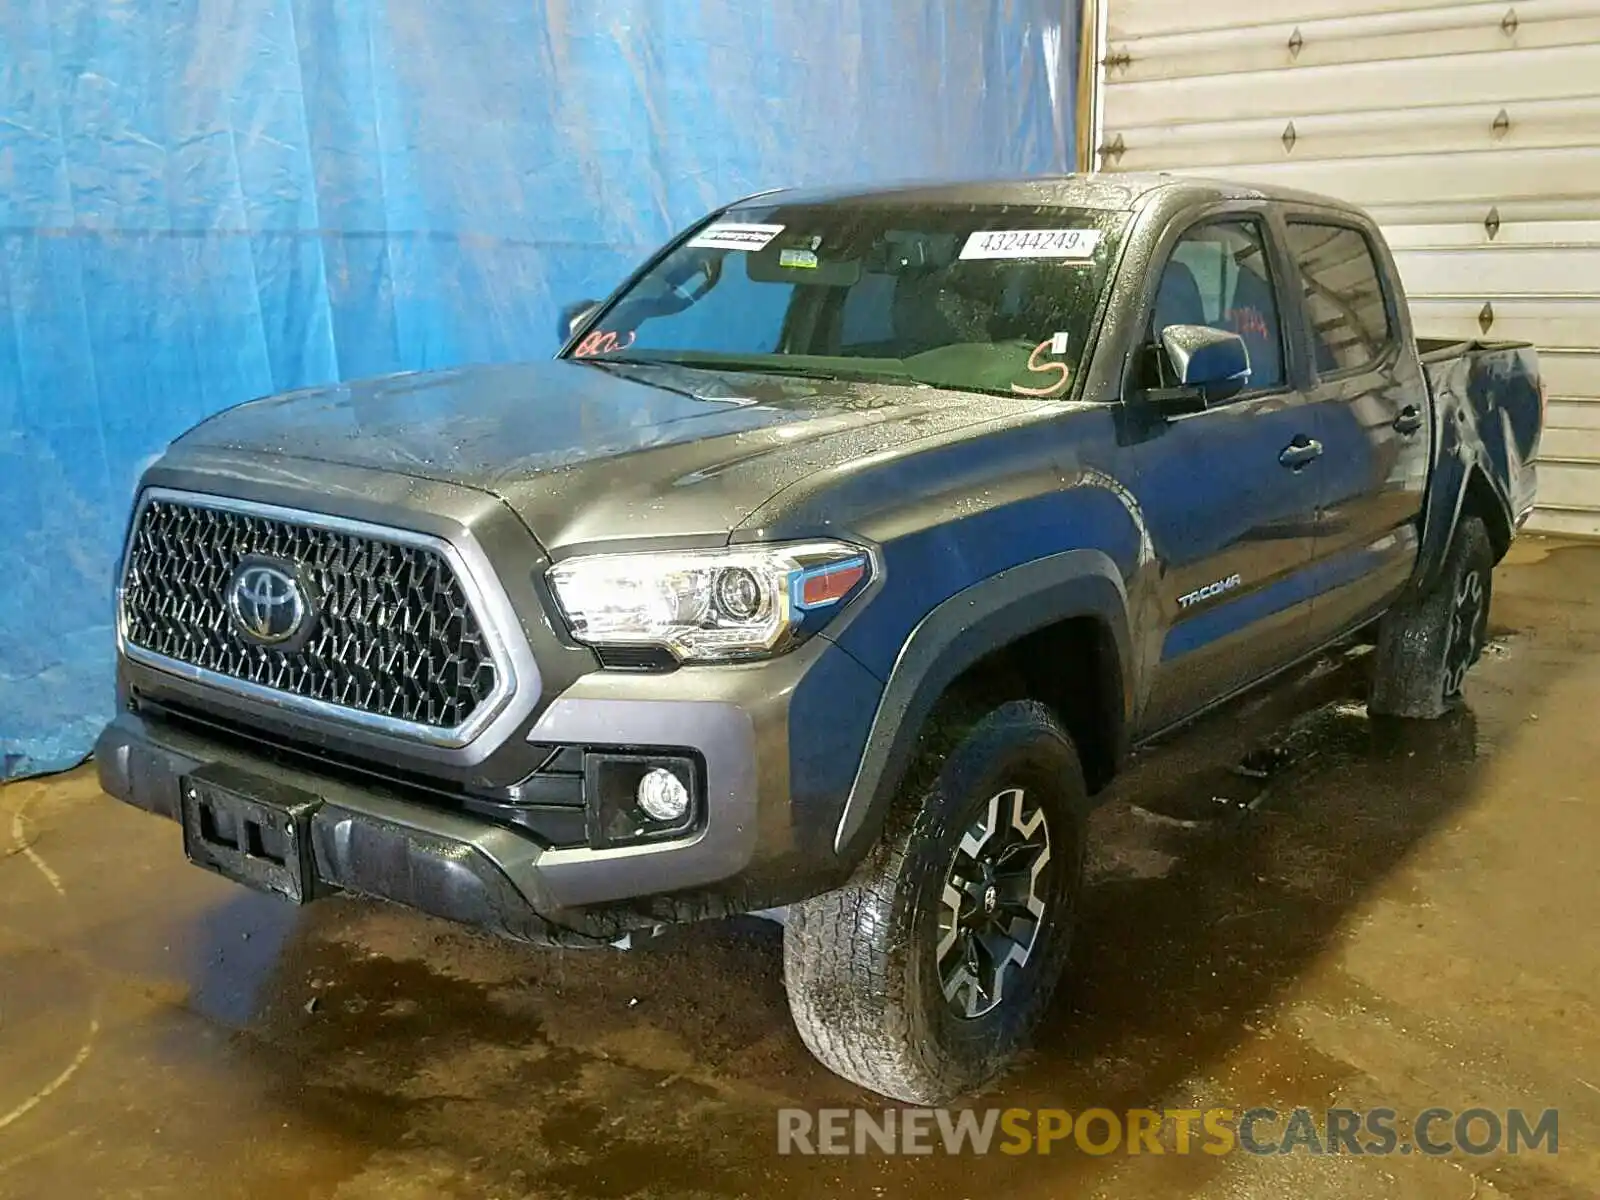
[609,366]
[796,370]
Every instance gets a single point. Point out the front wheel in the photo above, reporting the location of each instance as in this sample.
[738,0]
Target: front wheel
[1427,645]
[927,974]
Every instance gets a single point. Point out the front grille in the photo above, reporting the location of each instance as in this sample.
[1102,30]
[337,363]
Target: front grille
[392,632]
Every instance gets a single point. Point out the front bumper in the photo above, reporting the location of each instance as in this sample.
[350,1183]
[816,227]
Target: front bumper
[776,743]
[459,866]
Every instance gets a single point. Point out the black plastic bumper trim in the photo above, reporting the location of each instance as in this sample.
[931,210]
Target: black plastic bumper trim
[422,859]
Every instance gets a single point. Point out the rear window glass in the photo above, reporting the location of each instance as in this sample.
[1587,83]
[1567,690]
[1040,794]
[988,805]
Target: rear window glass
[1344,295]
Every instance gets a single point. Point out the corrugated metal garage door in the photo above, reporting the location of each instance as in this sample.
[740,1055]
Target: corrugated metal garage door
[1472,132]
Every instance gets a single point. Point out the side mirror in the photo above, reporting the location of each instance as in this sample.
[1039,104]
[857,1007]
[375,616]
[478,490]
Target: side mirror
[1209,365]
[574,317]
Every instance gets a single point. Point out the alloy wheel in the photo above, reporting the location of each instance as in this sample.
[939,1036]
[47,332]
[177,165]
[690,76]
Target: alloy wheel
[993,908]
[1468,617]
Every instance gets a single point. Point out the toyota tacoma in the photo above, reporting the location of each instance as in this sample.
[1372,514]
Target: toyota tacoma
[834,565]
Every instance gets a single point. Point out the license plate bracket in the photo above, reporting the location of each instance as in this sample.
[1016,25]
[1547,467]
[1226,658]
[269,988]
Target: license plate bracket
[250,829]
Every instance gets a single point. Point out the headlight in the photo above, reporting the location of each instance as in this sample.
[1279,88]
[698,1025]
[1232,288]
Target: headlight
[709,605]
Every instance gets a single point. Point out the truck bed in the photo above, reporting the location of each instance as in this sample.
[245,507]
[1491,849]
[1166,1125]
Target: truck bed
[1488,410]
[1438,349]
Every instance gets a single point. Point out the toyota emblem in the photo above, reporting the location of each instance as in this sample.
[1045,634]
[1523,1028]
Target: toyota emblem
[266,602]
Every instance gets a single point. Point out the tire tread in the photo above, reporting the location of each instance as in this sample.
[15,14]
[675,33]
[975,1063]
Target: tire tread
[1409,677]
[843,951]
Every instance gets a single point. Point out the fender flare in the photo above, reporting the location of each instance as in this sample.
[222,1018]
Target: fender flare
[1453,481]
[960,631]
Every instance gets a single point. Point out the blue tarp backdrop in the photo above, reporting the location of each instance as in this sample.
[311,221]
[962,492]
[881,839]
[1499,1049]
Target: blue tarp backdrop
[203,202]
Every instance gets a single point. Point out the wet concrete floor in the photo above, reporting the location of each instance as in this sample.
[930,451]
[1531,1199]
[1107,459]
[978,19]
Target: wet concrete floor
[1367,915]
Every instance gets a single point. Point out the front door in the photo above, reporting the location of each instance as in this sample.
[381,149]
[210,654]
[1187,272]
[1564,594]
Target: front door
[1229,494]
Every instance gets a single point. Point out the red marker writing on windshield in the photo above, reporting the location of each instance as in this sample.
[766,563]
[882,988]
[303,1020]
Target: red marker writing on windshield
[1055,345]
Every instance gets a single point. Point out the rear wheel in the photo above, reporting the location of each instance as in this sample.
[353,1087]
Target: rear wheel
[1427,645]
[928,973]
[1469,625]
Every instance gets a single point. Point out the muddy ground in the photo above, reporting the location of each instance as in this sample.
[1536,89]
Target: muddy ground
[1367,915]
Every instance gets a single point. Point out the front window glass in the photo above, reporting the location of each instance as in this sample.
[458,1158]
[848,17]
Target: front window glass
[1218,276]
[988,299]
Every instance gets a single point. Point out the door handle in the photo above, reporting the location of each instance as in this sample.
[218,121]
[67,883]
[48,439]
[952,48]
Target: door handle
[1300,453]
[1409,420]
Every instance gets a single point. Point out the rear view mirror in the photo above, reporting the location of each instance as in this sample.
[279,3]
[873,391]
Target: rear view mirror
[574,317]
[1208,365]
[801,266]
[1209,358]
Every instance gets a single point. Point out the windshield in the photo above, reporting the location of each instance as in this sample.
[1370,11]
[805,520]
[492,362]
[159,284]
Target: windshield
[987,299]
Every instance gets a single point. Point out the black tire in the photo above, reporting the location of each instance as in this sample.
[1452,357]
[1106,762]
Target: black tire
[867,967]
[1426,645]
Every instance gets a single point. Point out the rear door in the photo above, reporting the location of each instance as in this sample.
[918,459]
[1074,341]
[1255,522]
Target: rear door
[1229,494]
[1373,415]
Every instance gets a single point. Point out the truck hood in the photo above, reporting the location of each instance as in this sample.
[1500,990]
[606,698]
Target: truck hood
[589,453]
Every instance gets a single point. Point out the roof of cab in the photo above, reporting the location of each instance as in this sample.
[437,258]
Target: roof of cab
[1110,192]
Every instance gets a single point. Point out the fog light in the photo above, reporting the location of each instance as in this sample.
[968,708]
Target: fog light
[662,796]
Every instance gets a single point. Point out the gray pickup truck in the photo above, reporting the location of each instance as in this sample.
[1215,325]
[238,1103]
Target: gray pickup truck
[835,565]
